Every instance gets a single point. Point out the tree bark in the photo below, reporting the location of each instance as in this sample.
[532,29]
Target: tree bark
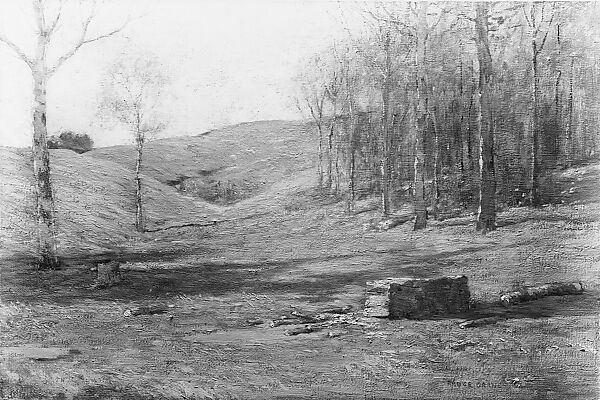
[45,211]
[420,125]
[486,217]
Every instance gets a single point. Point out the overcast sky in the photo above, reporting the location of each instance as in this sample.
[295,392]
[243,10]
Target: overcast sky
[228,61]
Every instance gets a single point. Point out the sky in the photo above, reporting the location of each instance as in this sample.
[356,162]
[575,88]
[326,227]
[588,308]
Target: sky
[227,61]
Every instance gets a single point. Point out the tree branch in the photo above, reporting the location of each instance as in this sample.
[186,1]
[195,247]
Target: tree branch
[547,31]
[17,50]
[83,41]
[408,30]
[54,24]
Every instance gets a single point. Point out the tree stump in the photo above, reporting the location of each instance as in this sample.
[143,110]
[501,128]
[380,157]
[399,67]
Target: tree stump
[109,274]
[417,298]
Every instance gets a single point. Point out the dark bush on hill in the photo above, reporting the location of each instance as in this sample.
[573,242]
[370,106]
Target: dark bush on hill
[78,142]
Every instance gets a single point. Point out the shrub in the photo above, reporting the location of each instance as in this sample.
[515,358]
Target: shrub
[77,142]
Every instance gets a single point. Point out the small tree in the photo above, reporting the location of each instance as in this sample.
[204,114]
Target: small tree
[132,94]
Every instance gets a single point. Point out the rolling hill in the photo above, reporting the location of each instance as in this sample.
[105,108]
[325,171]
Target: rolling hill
[94,191]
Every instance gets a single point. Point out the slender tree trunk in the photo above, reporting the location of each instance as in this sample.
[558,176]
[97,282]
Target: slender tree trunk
[534,195]
[385,131]
[470,162]
[45,211]
[486,217]
[435,192]
[338,174]
[420,126]
[320,166]
[330,158]
[557,101]
[351,158]
[139,212]
[569,134]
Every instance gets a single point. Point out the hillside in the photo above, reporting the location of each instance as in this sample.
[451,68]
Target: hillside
[252,156]
[94,200]
[94,191]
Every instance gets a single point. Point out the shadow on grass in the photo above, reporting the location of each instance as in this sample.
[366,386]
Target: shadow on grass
[73,283]
[541,216]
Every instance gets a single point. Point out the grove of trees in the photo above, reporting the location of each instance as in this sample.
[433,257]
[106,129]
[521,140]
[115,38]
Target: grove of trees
[455,106]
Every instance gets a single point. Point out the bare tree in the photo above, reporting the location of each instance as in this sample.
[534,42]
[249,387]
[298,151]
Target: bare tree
[132,95]
[421,115]
[539,17]
[313,93]
[47,23]
[486,217]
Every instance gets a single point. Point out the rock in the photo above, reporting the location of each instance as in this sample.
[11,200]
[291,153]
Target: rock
[417,298]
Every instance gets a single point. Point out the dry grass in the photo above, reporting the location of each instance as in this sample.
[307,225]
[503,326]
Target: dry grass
[296,251]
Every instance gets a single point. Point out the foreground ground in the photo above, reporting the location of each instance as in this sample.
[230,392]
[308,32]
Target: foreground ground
[285,248]
[62,339]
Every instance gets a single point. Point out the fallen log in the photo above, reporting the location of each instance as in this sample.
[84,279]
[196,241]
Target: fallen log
[474,323]
[338,310]
[145,310]
[305,329]
[309,318]
[285,321]
[529,293]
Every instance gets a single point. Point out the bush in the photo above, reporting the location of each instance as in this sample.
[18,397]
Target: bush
[77,142]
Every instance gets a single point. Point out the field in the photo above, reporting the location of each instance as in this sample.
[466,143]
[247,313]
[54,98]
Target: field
[286,248]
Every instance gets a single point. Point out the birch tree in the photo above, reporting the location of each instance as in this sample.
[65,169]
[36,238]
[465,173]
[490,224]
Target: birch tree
[132,95]
[48,20]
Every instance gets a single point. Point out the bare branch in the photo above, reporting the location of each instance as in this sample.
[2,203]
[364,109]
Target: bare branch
[83,41]
[527,18]
[547,31]
[17,50]
[54,24]
[408,30]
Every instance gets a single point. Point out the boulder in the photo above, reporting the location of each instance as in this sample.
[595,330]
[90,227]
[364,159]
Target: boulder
[417,298]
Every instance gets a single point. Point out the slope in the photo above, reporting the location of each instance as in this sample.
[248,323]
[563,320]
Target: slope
[94,201]
[255,155]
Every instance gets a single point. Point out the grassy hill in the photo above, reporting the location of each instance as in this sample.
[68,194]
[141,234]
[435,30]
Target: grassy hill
[94,201]
[253,155]
[95,191]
